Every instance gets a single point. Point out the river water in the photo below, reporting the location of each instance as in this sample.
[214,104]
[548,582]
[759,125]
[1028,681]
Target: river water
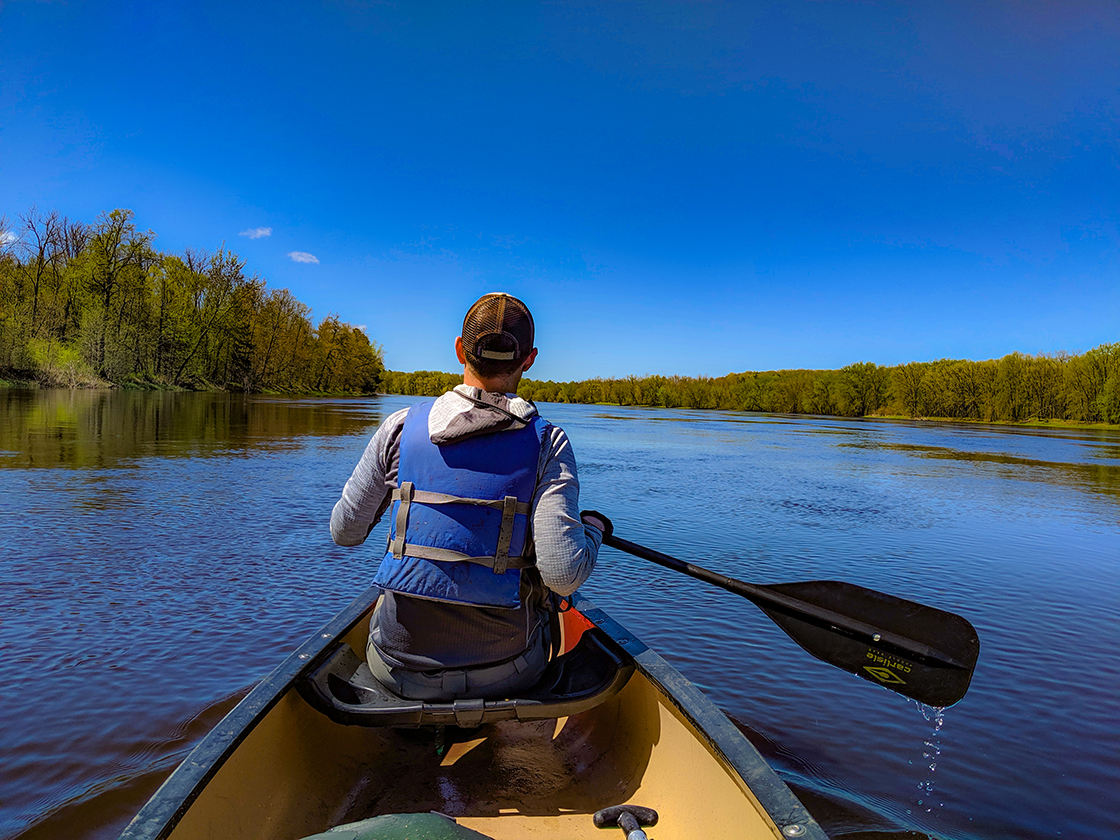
[160,553]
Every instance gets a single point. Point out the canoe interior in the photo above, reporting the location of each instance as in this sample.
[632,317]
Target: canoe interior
[297,773]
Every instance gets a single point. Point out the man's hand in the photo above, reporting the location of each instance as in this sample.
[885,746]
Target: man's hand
[597,520]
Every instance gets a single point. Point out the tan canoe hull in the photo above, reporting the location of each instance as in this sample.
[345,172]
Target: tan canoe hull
[659,743]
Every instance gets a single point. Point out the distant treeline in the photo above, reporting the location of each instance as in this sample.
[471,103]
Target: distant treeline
[83,304]
[1081,388]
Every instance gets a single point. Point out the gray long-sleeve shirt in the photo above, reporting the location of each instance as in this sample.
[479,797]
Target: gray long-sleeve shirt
[424,634]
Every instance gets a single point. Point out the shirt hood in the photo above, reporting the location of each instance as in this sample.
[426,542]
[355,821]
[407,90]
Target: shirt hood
[467,411]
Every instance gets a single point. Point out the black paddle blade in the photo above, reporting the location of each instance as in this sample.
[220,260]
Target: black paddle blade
[912,649]
[915,650]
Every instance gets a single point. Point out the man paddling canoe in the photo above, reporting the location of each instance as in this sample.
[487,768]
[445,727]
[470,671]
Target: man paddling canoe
[485,529]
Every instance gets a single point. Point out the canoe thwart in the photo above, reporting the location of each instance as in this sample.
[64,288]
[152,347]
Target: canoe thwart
[343,688]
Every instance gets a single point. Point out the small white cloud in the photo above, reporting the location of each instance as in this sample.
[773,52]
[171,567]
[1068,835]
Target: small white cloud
[7,238]
[303,257]
[256,233]
[362,327]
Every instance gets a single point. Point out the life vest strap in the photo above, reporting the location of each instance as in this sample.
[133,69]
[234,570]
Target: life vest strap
[407,493]
[426,498]
[446,555]
[404,496]
[505,536]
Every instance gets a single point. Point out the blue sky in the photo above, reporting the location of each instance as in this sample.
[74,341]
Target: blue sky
[679,188]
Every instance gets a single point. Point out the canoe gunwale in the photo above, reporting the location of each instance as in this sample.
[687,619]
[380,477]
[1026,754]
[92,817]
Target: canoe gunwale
[162,812]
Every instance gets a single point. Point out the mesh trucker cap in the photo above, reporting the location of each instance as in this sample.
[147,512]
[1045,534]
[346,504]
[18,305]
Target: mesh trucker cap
[498,326]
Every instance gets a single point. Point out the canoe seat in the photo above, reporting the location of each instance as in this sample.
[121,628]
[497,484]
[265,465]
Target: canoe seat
[342,687]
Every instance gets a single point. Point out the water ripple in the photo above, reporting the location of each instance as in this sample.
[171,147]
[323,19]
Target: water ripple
[151,574]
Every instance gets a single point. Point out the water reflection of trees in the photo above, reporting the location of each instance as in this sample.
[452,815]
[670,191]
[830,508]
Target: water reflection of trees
[1095,476]
[81,428]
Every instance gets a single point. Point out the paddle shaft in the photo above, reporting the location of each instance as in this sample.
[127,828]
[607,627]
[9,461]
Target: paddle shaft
[770,600]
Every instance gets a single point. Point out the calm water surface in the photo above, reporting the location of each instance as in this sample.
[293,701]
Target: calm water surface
[160,553]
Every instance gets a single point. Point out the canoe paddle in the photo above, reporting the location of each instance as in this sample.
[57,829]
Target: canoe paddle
[915,650]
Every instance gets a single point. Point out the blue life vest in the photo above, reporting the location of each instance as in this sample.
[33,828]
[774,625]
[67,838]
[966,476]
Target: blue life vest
[459,522]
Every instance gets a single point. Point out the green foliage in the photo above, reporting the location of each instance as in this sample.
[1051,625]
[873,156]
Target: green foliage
[910,388]
[59,364]
[1015,388]
[80,305]
[863,387]
[1108,403]
[421,383]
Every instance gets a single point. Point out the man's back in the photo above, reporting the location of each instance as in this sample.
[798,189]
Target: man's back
[485,529]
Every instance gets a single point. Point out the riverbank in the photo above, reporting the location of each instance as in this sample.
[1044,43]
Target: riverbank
[1035,423]
[1031,423]
[33,379]
[143,383]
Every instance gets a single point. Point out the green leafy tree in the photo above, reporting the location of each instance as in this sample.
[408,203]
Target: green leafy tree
[909,384]
[78,304]
[115,266]
[863,386]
